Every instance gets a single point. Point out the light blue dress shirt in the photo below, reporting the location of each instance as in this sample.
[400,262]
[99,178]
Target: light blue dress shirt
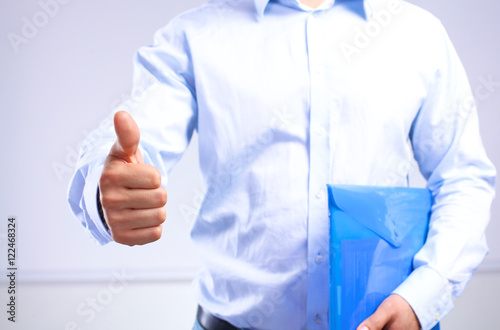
[285,100]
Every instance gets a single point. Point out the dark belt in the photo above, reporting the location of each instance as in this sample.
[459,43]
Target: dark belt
[210,322]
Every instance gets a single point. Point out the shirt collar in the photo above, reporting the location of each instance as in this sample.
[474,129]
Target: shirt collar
[260,6]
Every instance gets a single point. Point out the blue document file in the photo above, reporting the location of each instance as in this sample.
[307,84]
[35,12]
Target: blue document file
[375,232]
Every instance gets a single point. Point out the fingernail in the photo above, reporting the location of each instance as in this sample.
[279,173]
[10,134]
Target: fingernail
[364,327]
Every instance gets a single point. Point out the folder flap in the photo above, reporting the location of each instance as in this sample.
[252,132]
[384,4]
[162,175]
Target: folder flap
[390,212]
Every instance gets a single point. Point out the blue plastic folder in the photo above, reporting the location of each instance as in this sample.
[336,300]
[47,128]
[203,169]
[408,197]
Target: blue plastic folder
[375,232]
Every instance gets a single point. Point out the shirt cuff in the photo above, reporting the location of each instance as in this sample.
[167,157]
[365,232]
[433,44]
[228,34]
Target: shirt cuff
[428,293]
[89,196]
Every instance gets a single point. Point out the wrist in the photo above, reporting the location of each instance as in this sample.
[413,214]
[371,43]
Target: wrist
[100,209]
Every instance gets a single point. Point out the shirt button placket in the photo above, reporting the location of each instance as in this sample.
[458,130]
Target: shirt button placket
[320,131]
[317,240]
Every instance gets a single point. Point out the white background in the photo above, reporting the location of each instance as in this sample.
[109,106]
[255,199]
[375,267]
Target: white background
[60,83]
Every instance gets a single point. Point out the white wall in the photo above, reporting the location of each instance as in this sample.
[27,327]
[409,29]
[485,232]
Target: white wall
[60,83]
[171,306]
[53,90]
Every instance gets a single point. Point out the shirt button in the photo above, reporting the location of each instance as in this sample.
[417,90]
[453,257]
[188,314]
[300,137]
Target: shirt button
[320,131]
[437,316]
[317,319]
[320,194]
[319,259]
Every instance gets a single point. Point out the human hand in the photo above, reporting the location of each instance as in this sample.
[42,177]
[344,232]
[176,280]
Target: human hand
[394,313]
[131,196]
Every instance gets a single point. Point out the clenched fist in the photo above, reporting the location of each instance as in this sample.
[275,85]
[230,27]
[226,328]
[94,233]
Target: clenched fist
[130,193]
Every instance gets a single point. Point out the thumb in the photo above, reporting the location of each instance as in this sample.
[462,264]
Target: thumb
[127,138]
[377,321]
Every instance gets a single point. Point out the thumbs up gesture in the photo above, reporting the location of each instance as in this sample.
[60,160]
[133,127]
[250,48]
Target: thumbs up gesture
[131,196]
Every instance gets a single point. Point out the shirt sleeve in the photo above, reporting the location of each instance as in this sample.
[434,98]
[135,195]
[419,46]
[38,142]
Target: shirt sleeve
[448,148]
[162,102]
